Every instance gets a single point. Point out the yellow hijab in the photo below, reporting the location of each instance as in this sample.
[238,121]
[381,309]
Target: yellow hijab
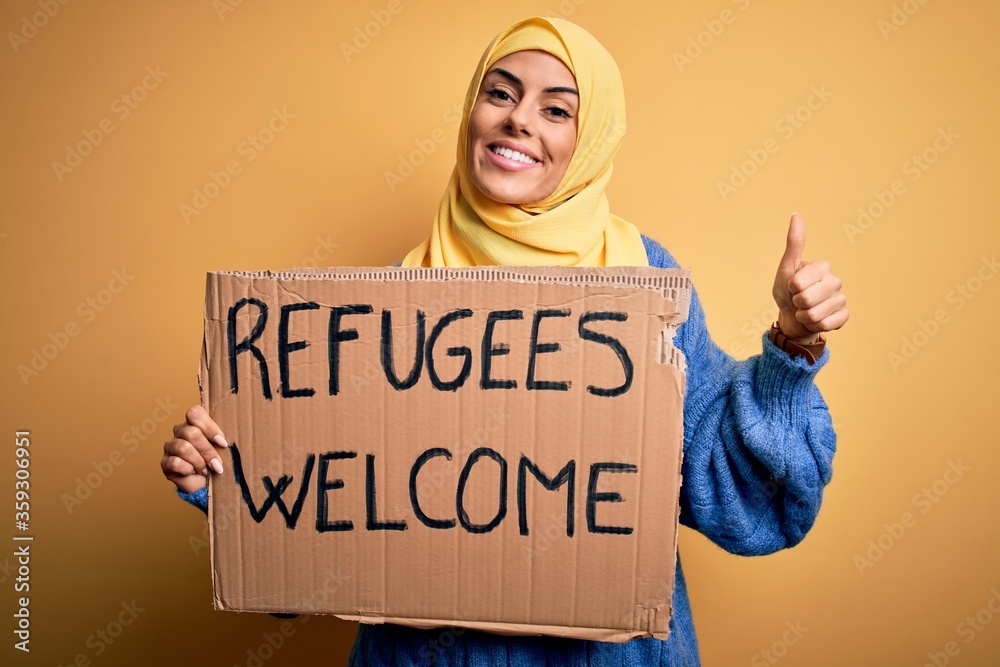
[574,226]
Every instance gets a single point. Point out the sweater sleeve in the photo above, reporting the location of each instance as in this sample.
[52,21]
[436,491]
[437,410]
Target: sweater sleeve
[199,498]
[758,439]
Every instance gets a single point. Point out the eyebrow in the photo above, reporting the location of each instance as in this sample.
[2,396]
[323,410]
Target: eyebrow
[514,79]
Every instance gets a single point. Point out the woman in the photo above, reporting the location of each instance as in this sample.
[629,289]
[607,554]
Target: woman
[543,117]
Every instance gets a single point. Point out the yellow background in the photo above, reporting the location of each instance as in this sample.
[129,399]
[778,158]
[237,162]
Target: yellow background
[318,194]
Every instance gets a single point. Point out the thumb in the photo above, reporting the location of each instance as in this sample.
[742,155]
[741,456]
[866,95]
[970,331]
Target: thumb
[795,243]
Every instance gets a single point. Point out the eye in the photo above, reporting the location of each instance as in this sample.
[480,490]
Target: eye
[498,94]
[559,111]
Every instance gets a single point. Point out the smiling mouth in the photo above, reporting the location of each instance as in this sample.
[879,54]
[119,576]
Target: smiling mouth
[513,155]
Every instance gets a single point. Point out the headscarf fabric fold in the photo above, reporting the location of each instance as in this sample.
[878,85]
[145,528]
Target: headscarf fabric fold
[574,225]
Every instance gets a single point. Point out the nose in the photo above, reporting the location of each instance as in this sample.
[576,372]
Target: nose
[519,120]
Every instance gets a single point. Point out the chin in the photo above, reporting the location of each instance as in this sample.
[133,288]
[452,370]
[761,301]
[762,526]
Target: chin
[511,200]
[510,196]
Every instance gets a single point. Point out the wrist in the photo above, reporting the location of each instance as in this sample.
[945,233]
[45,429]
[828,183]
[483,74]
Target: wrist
[809,348]
[811,339]
[793,330]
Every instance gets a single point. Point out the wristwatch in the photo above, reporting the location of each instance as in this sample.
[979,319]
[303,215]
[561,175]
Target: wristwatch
[810,352]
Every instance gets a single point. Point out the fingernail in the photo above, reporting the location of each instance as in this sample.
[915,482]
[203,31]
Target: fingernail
[216,465]
[220,441]
[795,212]
[204,472]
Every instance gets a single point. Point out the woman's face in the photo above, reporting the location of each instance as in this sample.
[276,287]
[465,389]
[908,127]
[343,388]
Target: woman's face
[522,129]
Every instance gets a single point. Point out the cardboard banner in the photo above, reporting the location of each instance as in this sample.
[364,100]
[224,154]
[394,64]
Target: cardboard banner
[489,447]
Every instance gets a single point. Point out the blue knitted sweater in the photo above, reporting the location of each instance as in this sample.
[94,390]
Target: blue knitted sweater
[758,450]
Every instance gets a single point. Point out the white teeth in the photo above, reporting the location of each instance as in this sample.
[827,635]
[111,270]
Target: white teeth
[513,155]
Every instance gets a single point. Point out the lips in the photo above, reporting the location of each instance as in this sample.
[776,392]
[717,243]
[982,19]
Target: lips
[510,154]
[506,156]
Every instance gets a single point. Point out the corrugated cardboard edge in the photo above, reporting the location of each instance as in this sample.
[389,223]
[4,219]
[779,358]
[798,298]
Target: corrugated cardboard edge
[210,289]
[520,629]
[672,284]
[636,276]
[677,290]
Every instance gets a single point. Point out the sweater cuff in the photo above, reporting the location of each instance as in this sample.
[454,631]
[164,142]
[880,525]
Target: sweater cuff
[199,498]
[784,383]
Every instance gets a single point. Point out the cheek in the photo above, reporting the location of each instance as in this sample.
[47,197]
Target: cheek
[566,146]
[480,120]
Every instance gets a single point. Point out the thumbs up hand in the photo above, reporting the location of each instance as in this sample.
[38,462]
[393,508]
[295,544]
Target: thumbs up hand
[808,295]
